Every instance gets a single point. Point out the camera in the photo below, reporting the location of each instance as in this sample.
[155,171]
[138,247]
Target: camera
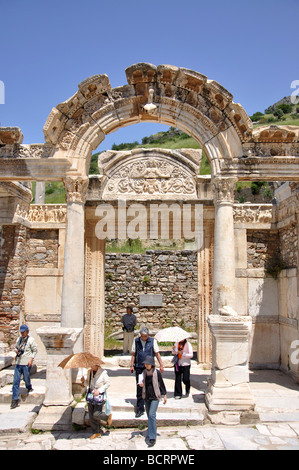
[20,351]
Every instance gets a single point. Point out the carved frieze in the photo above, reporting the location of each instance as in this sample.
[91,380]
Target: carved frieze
[10,135]
[276,134]
[47,213]
[151,176]
[26,151]
[257,214]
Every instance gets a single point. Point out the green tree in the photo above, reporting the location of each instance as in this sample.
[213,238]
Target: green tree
[256,116]
[278,113]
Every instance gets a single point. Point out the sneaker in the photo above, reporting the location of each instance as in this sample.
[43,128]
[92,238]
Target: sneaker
[29,389]
[139,413]
[177,397]
[14,404]
[151,442]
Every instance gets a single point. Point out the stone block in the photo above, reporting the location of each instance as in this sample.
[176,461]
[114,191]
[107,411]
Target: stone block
[16,421]
[78,416]
[54,418]
[232,375]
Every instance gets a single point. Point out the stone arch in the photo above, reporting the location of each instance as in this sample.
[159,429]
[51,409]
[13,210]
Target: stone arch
[163,94]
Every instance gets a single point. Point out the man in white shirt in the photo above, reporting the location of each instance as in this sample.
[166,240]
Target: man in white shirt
[26,350]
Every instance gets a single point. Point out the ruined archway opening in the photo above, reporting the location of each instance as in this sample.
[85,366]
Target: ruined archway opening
[166,266]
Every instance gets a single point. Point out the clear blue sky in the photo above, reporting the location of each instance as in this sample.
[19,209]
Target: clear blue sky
[48,47]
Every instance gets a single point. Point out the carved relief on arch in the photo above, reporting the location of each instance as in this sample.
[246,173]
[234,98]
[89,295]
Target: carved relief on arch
[276,134]
[150,174]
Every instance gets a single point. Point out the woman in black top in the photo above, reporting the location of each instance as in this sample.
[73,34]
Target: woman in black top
[153,390]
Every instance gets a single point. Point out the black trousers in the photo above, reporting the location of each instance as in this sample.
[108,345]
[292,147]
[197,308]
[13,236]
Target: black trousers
[96,415]
[183,372]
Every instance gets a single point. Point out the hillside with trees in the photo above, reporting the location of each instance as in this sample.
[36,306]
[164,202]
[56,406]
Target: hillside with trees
[284,112]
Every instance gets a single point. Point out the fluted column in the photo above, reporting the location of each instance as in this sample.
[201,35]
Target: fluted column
[224,245]
[72,304]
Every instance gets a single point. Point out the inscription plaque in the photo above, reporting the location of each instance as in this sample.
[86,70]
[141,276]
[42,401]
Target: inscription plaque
[150,300]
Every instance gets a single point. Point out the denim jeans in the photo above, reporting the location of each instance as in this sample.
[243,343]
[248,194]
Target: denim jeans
[151,410]
[19,371]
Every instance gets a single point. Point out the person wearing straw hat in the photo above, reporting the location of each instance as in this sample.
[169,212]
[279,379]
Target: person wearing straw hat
[97,382]
[153,390]
[183,353]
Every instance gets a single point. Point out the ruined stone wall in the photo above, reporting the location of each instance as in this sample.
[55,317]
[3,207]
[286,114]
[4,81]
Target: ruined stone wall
[172,274]
[261,247]
[13,265]
[43,249]
[289,245]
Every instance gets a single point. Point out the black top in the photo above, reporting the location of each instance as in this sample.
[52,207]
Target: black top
[149,389]
[129,321]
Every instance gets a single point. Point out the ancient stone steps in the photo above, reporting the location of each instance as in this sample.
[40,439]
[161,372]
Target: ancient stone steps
[124,416]
[38,383]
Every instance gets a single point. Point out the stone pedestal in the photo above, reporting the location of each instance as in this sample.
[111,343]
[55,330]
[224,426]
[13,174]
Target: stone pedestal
[59,343]
[229,383]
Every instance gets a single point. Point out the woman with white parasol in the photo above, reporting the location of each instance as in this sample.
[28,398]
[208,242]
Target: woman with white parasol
[183,353]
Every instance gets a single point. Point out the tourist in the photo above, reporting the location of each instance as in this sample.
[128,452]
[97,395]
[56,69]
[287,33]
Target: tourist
[97,383]
[142,347]
[129,322]
[183,353]
[153,390]
[26,350]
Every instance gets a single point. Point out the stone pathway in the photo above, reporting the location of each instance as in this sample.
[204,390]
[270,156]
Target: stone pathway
[277,403]
[276,436]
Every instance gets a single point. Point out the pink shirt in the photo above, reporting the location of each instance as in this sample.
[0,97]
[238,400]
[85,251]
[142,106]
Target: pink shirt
[186,356]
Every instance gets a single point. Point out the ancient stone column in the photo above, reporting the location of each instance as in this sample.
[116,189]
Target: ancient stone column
[72,304]
[228,388]
[40,187]
[224,245]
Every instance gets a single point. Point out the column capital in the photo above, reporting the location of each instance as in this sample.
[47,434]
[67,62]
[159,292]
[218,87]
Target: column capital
[224,189]
[76,188]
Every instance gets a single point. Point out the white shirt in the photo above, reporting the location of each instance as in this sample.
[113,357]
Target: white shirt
[30,350]
[100,381]
[186,356]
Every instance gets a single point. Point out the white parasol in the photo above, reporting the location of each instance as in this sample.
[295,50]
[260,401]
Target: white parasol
[173,334]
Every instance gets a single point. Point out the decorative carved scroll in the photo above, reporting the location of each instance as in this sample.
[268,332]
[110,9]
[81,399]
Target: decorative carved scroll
[151,176]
